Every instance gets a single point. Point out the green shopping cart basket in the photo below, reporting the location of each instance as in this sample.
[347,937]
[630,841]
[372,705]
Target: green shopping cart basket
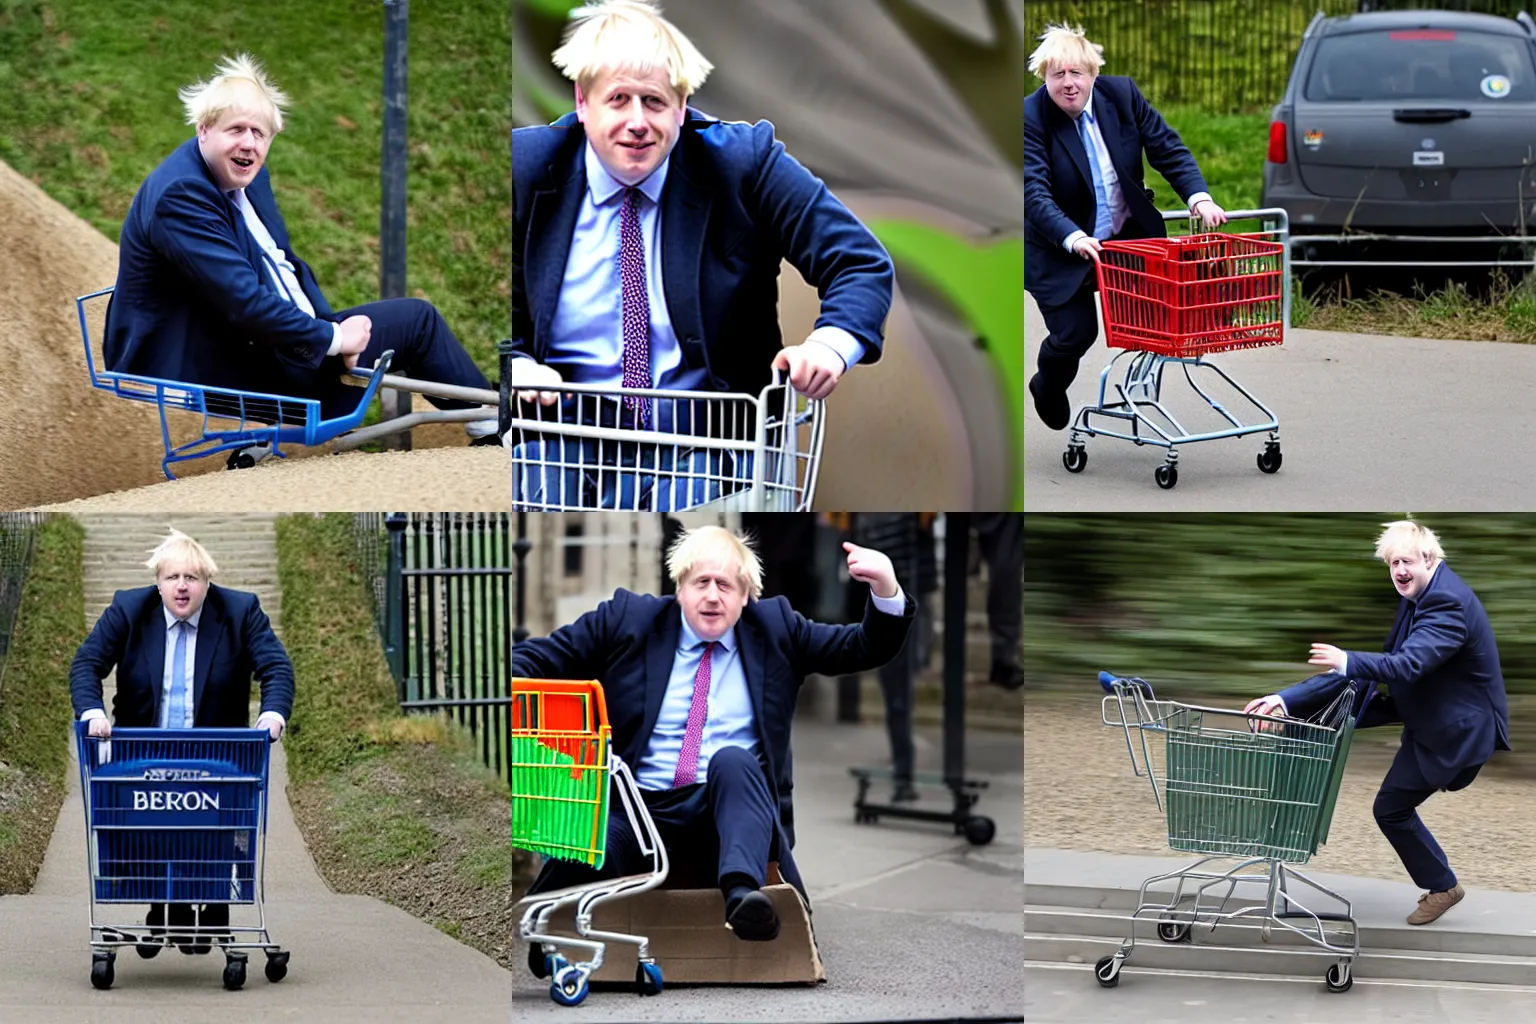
[560,738]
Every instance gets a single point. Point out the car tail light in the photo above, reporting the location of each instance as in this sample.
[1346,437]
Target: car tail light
[1277,133]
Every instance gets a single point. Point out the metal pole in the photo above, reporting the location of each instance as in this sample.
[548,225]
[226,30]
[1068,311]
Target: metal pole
[394,599]
[392,210]
[520,549]
[957,538]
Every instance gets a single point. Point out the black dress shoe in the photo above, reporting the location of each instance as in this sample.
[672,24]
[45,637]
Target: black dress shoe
[753,918]
[1052,407]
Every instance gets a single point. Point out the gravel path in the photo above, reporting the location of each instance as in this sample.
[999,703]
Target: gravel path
[1080,795]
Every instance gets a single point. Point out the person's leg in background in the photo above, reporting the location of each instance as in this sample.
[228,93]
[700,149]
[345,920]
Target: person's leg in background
[896,678]
[1002,546]
[1073,328]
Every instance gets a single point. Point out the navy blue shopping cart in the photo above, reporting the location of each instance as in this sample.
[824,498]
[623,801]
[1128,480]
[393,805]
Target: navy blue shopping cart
[177,816]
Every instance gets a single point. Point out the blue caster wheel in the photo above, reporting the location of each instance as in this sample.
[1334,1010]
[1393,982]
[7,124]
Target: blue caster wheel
[569,986]
[648,979]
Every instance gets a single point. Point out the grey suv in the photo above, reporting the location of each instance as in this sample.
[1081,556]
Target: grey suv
[1408,123]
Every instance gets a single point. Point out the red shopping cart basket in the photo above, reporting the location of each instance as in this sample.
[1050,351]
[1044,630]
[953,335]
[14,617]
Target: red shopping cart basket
[1193,295]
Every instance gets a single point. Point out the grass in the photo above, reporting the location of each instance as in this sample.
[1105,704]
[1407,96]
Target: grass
[35,711]
[389,805]
[1230,149]
[91,108]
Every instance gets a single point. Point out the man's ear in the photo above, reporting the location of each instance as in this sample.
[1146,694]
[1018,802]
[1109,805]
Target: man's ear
[581,104]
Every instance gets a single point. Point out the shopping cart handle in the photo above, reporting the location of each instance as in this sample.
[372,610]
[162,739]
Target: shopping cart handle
[1109,679]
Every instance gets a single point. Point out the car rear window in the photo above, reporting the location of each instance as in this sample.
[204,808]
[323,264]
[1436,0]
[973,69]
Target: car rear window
[1430,65]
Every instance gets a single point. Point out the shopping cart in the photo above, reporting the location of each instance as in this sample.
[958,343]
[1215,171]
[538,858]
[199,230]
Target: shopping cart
[1238,787]
[562,765]
[177,816]
[655,450]
[1178,301]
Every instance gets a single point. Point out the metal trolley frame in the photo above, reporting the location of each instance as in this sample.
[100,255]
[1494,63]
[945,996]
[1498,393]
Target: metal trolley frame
[734,452]
[177,816]
[562,765]
[1135,397]
[1260,795]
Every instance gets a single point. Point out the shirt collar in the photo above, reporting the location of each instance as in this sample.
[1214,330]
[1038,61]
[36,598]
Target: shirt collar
[604,186]
[1088,110]
[689,640]
[170,620]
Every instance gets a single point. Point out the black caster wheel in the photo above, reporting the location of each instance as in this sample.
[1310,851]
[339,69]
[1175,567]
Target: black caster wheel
[234,974]
[101,971]
[277,966]
[1166,476]
[1338,978]
[239,460]
[1269,459]
[1107,970]
[648,979]
[979,831]
[1173,931]
[1075,458]
[147,950]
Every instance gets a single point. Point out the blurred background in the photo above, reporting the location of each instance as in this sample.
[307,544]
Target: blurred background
[906,108]
[1225,607]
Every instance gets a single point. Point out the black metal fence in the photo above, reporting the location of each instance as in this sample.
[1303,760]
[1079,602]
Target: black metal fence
[442,586]
[16,530]
[1222,56]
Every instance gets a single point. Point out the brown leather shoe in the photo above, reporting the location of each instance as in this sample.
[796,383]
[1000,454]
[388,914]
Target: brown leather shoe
[1433,904]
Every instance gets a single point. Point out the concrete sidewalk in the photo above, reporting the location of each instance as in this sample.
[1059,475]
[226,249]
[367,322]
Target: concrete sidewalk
[912,921]
[354,958]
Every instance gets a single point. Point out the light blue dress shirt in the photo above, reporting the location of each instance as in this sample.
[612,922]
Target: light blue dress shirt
[728,722]
[182,717]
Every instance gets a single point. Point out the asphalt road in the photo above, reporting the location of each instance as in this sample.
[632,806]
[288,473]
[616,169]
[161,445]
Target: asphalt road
[1068,994]
[912,922]
[1366,421]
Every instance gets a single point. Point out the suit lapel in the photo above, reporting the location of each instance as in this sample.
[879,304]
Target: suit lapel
[152,651]
[210,628]
[1109,127]
[660,654]
[754,665]
[551,222]
[685,206]
[1400,625]
[1066,129]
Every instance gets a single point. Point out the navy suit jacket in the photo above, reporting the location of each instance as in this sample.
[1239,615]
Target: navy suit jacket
[1058,182]
[234,641]
[735,205]
[195,300]
[630,643]
[1441,665]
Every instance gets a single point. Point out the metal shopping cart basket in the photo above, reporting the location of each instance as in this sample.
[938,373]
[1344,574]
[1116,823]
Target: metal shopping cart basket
[1178,301]
[648,449]
[1246,788]
[177,816]
[562,765]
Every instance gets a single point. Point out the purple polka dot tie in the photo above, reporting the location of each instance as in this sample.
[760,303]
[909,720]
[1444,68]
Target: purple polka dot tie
[693,735]
[636,304]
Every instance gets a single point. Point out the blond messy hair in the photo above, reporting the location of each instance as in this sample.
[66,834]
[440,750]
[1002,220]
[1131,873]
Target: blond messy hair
[234,80]
[1405,536]
[629,35]
[694,546]
[1062,46]
[179,549]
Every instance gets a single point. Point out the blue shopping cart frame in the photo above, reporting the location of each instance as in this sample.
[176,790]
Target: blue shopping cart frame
[177,816]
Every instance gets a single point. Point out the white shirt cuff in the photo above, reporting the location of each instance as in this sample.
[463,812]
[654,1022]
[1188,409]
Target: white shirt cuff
[1197,198]
[91,714]
[1283,709]
[335,339]
[1344,671]
[890,605]
[848,348]
[1072,239]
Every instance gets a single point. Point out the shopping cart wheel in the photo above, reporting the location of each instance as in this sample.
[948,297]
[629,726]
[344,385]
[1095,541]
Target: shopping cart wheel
[1269,459]
[1338,978]
[234,973]
[277,966]
[1075,458]
[1173,931]
[1107,970]
[101,970]
[569,986]
[148,950]
[648,979]
[1166,476]
[979,831]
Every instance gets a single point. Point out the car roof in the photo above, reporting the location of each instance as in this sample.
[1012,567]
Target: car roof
[1374,21]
